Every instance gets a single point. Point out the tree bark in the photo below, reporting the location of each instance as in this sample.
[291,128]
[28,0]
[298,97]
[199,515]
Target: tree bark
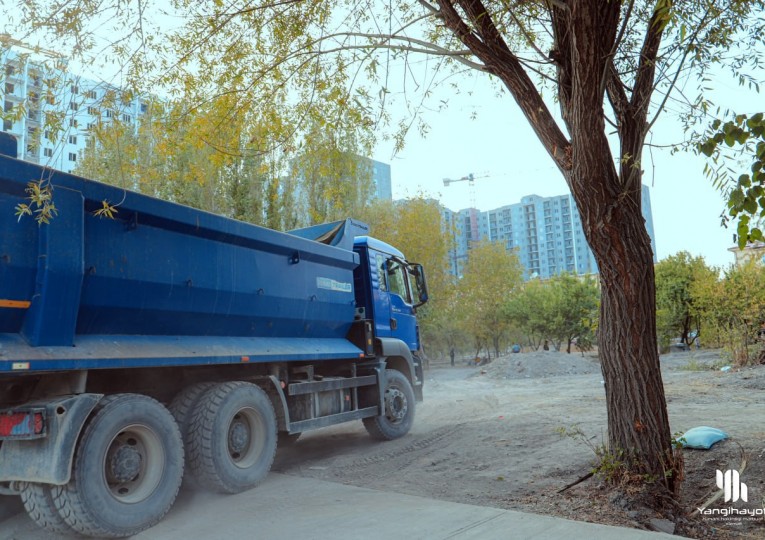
[638,423]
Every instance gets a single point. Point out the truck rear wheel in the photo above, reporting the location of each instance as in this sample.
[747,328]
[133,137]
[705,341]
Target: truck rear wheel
[183,404]
[38,502]
[127,470]
[398,416]
[232,437]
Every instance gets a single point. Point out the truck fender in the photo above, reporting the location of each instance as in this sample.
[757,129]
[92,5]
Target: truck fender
[397,355]
[273,389]
[49,460]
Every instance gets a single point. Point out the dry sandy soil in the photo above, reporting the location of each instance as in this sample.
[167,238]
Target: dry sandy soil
[490,436]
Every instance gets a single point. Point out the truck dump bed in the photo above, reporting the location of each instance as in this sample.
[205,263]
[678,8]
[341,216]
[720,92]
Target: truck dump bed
[161,283]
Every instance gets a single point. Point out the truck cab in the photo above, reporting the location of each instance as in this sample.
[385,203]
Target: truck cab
[388,291]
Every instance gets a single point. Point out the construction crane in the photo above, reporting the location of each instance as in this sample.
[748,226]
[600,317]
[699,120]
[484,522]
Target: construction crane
[473,212]
[470,179]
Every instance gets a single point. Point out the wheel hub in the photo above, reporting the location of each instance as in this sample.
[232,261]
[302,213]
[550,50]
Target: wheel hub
[396,406]
[124,463]
[238,437]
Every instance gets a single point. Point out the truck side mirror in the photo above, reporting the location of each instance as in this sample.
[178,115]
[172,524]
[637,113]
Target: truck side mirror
[419,279]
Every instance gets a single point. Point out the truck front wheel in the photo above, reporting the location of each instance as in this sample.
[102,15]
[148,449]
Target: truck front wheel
[398,416]
[127,471]
[232,437]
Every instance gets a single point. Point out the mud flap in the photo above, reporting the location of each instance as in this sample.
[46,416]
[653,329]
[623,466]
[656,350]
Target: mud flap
[48,460]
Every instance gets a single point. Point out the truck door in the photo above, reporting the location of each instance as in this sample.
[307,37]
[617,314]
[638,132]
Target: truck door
[402,323]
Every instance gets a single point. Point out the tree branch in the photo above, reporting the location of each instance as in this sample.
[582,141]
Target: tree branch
[687,51]
[502,63]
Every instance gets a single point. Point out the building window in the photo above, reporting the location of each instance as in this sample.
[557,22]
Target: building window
[93,111]
[9,88]
[75,90]
[72,139]
[72,123]
[72,156]
[92,94]
[73,105]
[48,152]
[8,106]
[109,113]
[50,99]
[127,118]
[10,70]
[7,125]
[144,106]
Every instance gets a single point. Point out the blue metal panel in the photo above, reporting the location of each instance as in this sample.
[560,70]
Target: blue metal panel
[106,352]
[379,245]
[161,269]
[53,313]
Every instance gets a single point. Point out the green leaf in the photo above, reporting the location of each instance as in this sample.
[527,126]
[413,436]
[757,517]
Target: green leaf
[736,197]
[708,147]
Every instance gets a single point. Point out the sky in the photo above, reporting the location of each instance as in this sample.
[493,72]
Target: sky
[483,133]
[500,147]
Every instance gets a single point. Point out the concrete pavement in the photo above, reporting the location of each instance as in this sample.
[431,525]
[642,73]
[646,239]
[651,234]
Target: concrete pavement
[288,507]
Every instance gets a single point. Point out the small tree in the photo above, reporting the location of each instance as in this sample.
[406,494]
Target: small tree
[529,310]
[491,276]
[676,311]
[574,309]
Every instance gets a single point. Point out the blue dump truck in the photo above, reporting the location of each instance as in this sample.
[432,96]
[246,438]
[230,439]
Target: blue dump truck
[166,341]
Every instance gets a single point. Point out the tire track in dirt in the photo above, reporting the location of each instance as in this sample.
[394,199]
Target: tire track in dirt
[398,457]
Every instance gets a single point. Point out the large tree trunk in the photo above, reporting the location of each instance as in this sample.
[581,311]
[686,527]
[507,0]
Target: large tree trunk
[638,423]
[609,201]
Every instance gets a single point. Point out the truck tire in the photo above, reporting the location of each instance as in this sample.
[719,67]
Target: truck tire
[38,502]
[398,417]
[127,471]
[232,437]
[182,409]
[182,406]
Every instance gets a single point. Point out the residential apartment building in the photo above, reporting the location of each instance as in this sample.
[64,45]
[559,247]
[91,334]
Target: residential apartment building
[52,112]
[380,178]
[546,232]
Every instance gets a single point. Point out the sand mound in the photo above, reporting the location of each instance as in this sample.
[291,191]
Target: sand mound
[531,365]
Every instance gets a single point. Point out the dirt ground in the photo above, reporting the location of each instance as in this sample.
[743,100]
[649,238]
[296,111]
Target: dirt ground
[490,436]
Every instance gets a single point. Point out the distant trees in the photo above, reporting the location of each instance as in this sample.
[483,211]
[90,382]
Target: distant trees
[562,310]
[732,310]
[677,309]
[211,158]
